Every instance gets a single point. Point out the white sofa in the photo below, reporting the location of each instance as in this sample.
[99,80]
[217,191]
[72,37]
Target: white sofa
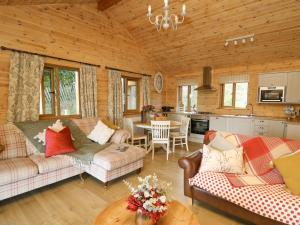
[22,169]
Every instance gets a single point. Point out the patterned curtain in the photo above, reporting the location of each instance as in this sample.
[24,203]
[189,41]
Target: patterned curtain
[88,91]
[115,112]
[146,90]
[25,74]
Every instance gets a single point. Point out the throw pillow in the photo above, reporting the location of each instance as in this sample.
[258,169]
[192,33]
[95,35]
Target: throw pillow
[57,126]
[58,142]
[220,143]
[101,133]
[230,161]
[288,167]
[2,147]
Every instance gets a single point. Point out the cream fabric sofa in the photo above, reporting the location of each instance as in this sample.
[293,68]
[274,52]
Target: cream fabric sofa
[22,169]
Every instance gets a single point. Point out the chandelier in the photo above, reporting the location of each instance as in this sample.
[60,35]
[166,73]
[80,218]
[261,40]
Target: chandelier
[166,20]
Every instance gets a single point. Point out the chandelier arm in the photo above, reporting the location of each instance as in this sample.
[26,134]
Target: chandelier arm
[173,22]
[160,22]
[150,20]
[181,21]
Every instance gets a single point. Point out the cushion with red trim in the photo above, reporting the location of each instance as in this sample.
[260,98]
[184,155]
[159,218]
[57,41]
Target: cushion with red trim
[58,142]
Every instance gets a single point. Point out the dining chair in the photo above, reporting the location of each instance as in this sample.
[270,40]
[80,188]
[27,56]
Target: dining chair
[138,137]
[181,137]
[160,132]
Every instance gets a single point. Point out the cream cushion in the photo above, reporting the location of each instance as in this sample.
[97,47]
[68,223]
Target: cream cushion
[101,133]
[13,170]
[229,161]
[47,165]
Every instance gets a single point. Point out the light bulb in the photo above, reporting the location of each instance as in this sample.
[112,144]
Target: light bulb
[183,10]
[244,41]
[235,42]
[252,39]
[226,44]
[166,3]
[149,9]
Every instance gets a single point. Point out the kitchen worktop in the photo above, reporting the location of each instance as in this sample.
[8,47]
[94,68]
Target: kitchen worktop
[292,121]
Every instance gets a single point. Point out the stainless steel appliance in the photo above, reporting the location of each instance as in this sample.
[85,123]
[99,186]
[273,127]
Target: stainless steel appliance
[199,125]
[271,94]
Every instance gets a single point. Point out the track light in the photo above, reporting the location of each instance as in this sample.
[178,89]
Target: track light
[242,39]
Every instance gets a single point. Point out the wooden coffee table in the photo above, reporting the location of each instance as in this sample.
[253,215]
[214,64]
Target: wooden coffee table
[117,214]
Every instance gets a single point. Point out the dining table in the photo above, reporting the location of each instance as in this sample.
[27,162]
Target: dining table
[147,126]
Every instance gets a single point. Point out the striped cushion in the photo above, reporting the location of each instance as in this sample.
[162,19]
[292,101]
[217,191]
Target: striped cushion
[12,170]
[46,165]
[13,141]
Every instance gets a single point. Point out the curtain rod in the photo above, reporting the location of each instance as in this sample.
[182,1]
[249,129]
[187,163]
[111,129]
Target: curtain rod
[112,68]
[49,56]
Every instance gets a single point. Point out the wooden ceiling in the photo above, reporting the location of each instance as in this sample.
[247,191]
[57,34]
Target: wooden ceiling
[38,2]
[200,40]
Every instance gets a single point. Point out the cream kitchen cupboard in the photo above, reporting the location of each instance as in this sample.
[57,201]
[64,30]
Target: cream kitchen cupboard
[293,131]
[240,125]
[270,128]
[293,87]
[272,79]
[218,123]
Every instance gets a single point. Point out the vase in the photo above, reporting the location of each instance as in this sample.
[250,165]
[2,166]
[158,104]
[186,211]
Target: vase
[141,219]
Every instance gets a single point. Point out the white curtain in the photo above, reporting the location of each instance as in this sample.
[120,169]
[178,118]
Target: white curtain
[234,79]
[88,91]
[146,90]
[115,112]
[25,75]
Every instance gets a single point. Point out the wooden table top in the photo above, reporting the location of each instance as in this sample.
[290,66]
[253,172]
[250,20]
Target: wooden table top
[173,125]
[117,214]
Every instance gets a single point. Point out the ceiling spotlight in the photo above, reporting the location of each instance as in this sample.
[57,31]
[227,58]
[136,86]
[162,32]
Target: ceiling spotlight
[244,41]
[252,39]
[226,44]
[235,42]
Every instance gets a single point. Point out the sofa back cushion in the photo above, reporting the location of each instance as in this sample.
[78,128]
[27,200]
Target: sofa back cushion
[259,151]
[86,125]
[13,141]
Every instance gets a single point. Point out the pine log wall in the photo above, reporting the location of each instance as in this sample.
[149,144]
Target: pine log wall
[211,101]
[76,32]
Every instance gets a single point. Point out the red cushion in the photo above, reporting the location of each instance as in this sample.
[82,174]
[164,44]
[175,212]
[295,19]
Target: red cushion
[58,142]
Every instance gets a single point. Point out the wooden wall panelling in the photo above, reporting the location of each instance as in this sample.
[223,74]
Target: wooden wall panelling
[77,32]
[211,101]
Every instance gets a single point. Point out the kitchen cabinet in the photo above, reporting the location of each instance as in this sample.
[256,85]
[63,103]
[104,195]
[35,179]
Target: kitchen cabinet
[272,79]
[270,128]
[176,117]
[240,126]
[293,85]
[293,131]
[218,123]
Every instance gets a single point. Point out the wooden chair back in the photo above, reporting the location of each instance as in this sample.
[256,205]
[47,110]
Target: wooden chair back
[160,131]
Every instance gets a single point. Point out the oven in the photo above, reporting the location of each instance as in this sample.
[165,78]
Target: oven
[271,94]
[198,126]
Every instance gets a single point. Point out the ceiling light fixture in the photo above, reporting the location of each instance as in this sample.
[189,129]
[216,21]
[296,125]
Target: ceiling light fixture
[166,20]
[236,40]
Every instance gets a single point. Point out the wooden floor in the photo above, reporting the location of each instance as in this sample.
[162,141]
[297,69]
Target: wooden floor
[72,202]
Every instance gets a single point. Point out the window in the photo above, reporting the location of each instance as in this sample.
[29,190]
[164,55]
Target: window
[187,97]
[130,97]
[59,92]
[235,95]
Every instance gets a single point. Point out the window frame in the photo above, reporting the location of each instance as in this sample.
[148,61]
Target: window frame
[179,96]
[137,110]
[56,114]
[233,96]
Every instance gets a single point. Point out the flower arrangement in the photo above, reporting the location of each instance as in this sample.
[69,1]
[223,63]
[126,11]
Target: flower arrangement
[149,198]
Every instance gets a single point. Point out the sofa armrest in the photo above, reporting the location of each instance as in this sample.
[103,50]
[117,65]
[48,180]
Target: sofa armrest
[190,165]
[120,136]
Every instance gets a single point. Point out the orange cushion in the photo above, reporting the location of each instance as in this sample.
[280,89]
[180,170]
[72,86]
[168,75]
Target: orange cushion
[58,142]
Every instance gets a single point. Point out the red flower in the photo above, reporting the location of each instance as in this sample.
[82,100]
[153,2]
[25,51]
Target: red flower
[133,203]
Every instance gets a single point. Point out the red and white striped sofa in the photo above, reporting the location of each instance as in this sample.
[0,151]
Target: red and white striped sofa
[22,169]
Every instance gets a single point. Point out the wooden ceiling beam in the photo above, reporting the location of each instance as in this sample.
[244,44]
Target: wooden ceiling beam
[105,4]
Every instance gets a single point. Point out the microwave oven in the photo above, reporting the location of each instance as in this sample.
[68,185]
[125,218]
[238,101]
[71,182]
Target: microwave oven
[271,94]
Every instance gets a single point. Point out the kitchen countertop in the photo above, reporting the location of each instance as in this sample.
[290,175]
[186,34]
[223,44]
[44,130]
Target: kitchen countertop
[290,121]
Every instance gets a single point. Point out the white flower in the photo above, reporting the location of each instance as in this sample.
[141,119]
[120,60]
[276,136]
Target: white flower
[147,194]
[162,199]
